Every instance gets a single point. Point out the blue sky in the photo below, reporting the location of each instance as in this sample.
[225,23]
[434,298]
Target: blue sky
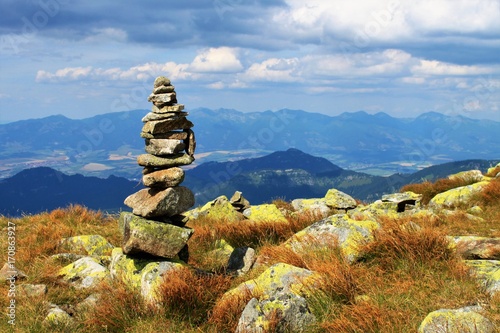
[402,57]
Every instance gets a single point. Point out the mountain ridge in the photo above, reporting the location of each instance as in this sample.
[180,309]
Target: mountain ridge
[261,179]
[371,143]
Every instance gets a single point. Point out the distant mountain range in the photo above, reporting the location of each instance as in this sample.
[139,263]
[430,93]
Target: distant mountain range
[286,174]
[378,144]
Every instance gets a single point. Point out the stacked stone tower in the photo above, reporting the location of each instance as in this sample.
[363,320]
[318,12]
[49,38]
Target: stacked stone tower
[155,225]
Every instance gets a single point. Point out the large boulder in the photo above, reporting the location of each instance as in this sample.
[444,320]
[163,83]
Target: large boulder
[140,274]
[282,289]
[152,237]
[472,176]
[487,272]
[457,196]
[316,206]
[456,321]
[348,233]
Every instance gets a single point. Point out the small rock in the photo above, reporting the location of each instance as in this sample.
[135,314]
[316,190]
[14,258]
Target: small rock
[32,290]
[161,81]
[241,260]
[84,273]
[57,316]
[9,272]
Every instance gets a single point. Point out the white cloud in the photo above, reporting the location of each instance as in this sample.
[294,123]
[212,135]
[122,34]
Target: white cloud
[65,74]
[434,67]
[362,23]
[216,60]
[273,69]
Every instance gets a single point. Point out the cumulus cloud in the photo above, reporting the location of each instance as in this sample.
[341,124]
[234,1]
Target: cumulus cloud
[216,60]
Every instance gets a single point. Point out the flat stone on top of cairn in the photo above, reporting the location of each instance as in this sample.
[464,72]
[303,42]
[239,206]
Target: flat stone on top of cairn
[169,144]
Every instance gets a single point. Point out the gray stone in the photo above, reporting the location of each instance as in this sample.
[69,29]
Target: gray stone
[239,202]
[32,290]
[164,162]
[57,316]
[168,108]
[151,116]
[167,125]
[241,260]
[88,303]
[170,177]
[84,273]
[169,135]
[161,81]
[156,202]
[190,142]
[146,236]
[9,271]
[160,147]
[474,247]
[163,99]
[291,311]
[339,200]
[163,89]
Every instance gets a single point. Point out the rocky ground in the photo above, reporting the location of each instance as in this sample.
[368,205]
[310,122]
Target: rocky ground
[273,286]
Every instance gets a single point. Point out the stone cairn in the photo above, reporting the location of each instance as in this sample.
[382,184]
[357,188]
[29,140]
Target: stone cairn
[156,226]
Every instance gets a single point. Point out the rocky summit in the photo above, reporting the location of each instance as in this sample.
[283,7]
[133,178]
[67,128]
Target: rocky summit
[169,143]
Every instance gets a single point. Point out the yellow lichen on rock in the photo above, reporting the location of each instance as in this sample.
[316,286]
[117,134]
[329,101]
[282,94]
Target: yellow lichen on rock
[265,213]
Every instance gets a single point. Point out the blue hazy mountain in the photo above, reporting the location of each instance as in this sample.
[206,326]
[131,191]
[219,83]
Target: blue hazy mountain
[355,141]
[286,174]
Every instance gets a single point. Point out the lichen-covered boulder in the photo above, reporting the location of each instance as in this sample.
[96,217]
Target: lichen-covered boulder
[283,288]
[86,272]
[348,233]
[265,213]
[473,176]
[316,206]
[92,245]
[474,247]
[142,275]
[291,310]
[456,321]
[488,272]
[336,199]
[457,196]
[403,199]
[147,236]
[375,210]
[218,209]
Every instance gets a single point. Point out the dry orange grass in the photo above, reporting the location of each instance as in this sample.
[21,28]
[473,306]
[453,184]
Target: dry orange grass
[189,296]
